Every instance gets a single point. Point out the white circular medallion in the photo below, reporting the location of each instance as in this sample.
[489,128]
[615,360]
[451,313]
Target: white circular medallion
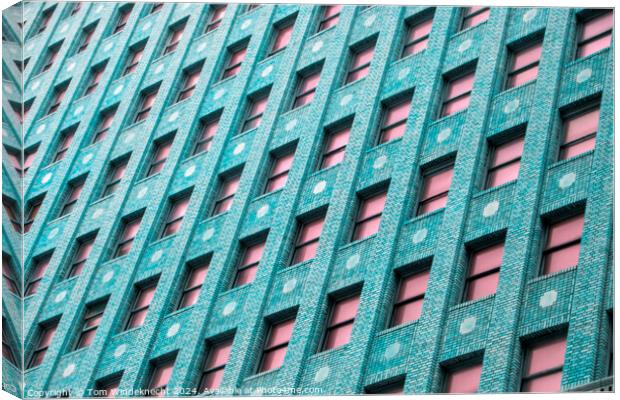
[70,66]
[118,90]
[173,117]
[352,262]
[8,88]
[567,180]
[86,159]
[35,85]
[108,46]
[64,28]
[548,299]
[319,187]
[392,351]
[30,47]
[157,255]
[68,370]
[229,308]
[511,106]
[219,94]
[317,46]
[529,15]
[142,192]
[370,20]
[189,171]
[97,213]
[266,71]
[467,325]
[262,211]
[78,111]
[146,27]
[120,350]
[53,233]
[419,236]
[465,45]
[173,330]
[583,75]
[40,129]
[246,24]
[159,69]
[208,234]
[321,374]
[129,138]
[201,47]
[99,9]
[402,74]
[379,162]
[290,125]
[289,285]
[46,178]
[443,135]
[346,99]
[239,148]
[107,277]
[60,296]
[490,209]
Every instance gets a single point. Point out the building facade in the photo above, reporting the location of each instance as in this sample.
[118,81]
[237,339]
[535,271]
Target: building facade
[296,199]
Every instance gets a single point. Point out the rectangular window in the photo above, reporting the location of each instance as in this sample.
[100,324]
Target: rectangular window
[307,240]
[279,172]
[397,387]
[369,215]
[215,19]
[595,34]
[276,345]
[50,57]
[463,379]
[255,109]
[72,197]
[92,319]
[335,147]
[127,236]
[16,159]
[563,245]
[8,275]
[216,360]
[483,274]
[235,59]
[76,8]
[457,94]
[360,63]
[417,37]
[133,59]
[524,65]
[33,209]
[174,37]
[248,264]
[140,306]
[122,18]
[208,128]
[190,80]
[410,298]
[7,349]
[10,206]
[115,176]
[36,274]
[156,7]
[108,387]
[29,158]
[46,334]
[473,16]
[228,188]
[193,284]
[435,189]
[66,137]
[160,376]
[87,35]
[103,127]
[340,322]
[579,133]
[505,162]
[46,16]
[177,210]
[306,89]
[394,121]
[329,17]
[282,36]
[80,257]
[542,365]
[147,99]
[59,94]
[93,81]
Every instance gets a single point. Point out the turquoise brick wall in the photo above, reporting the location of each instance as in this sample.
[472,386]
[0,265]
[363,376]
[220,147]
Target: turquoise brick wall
[491,329]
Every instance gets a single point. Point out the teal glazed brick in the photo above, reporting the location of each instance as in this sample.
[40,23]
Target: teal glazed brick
[491,330]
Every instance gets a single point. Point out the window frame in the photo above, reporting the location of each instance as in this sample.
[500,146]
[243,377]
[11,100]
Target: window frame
[68,204]
[131,64]
[275,158]
[410,25]
[77,264]
[362,198]
[192,267]
[33,206]
[249,118]
[326,19]
[121,18]
[548,225]
[329,326]
[93,312]
[584,19]
[242,265]
[102,125]
[329,134]
[278,29]
[203,143]
[207,369]
[32,284]
[301,80]
[526,351]
[44,328]
[469,277]
[120,241]
[173,202]
[134,309]
[574,114]
[388,106]
[354,51]
[493,147]
[448,81]
[213,12]
[275,347]
[172,40]
[219,200]
[471,15]
[426,174]
[301,224]
[402,277]
[143,108]
[232,70]
[191,77]
[511,72]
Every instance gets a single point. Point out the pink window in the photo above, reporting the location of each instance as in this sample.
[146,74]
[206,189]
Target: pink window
[563,245]
[330,17]
[360,64]
[276,345]
[140,307]
[189,84]
[435,191]
[307,240]
[279,172]
[417,37]
[335,147]
[59,94]
[63,144]
[146,103]
[256,108]
[282,38]
[464,379]
[33,209]
[595,34]
[45,339]
[52,53]
[15,158]
[473,16]
[76,8]
[410,298]
[483,272]
[80,257]
[174,37]
[156,7]
[579,133]
[45,19]
[109,388]
[340,325]
[306,89]
[8,276]
[216,18]
[505,162]
[369,216]
[123,17]
[160,377]
[208,129]
[458,92]
[394,121]
[226,194]
[105,123]
[133,60]
[127,237]
[87,35]
[524,66]
[72,198]
[214,366]
[95,78]
[193,285]
[10,208]
[178,207]
[234,62]
[160,155]
[115,176]
[29,158]
[92,319]
[39,268]
[246,271]
[543,363]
